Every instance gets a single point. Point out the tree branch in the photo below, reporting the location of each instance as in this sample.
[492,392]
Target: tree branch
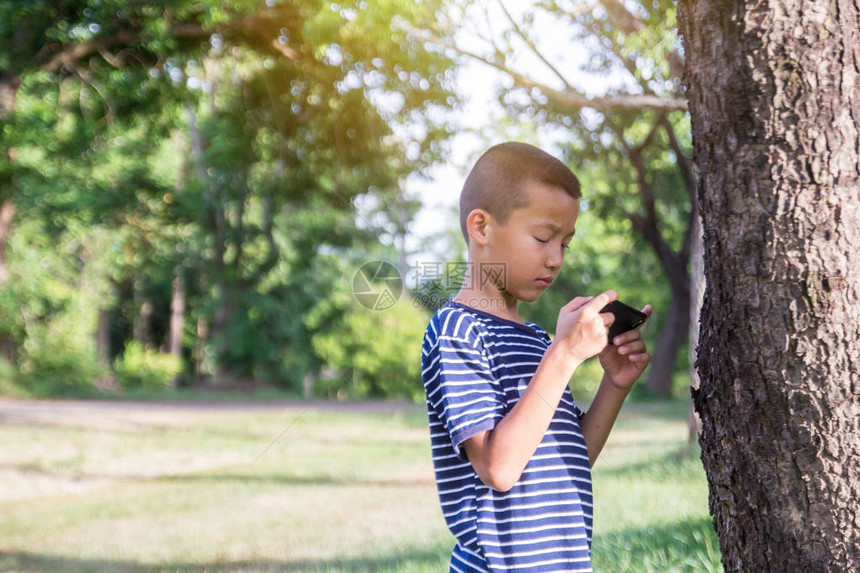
[533,47]
[628,23]
[622,18]
[689,183]
[88,79]
[683,161]
[646,225]
[567,97]
[650,137]
[254,30]
[65,56]
[581,8]
[274,254]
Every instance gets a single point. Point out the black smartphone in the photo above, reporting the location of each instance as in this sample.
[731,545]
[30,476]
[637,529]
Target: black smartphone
[626,318]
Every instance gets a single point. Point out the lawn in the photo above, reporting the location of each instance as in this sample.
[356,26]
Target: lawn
[145,487]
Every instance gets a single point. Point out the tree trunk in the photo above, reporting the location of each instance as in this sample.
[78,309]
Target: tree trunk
[8,98]
[216,224]
[177,320]
[7,212]
[672,336]
[223,316]
[103,337]
[673,333]
[200,349]
[308,383]
[142,321]
[402,229]
[697,293]
[775,107]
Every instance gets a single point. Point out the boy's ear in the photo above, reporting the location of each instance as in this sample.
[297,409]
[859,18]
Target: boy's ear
[479,224]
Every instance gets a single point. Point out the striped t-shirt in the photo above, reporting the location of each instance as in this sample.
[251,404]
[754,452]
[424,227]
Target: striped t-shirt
[475,366]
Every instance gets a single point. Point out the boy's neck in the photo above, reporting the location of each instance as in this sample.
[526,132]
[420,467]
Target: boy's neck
[490,300]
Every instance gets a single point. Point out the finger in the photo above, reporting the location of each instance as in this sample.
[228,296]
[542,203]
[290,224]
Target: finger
[647,309]
[626,337]
[577,303]
[602,300]
[633,348]
[644,357]
[608,318]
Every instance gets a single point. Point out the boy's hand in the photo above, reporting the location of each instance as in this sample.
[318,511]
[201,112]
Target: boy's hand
[624,362]
[581,329]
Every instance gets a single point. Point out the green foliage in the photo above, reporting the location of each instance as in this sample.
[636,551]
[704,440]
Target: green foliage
[372,353]
[140,367]
[57,360]
[50,306]
[10,382]
[220,143]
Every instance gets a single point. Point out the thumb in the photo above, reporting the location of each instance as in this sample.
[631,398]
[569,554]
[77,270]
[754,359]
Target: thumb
[577,303]
[602,300]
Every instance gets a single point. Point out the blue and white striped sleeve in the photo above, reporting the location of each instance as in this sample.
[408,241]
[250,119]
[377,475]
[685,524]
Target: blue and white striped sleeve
[461,388]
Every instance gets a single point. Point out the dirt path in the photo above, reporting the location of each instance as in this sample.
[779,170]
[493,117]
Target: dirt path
[125,413]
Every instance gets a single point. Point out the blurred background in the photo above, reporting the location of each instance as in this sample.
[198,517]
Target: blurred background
[189,188]
[190,192]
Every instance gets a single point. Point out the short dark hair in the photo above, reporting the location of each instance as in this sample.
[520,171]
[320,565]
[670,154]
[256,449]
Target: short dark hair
[497,181]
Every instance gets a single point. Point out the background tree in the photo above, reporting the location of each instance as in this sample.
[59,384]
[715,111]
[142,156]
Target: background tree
[633,132]
[775,109]
[224,145]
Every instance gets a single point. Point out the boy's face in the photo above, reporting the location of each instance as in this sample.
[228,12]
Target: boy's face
[533,240]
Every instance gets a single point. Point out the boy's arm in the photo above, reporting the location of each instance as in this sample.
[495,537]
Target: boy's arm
[600,417]
[500,455]
[622,363]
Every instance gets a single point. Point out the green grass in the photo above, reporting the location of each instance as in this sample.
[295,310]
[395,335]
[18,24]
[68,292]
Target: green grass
[651,496]
[186,488]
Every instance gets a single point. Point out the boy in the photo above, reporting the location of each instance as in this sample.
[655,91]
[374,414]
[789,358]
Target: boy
[512,452]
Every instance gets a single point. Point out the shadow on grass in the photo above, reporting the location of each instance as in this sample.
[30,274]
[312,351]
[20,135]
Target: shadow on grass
[427,559]
[684,546]
[680,462]
[688,546]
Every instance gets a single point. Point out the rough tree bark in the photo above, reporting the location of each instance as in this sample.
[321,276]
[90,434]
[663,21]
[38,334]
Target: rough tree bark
[774,95]
[697,294]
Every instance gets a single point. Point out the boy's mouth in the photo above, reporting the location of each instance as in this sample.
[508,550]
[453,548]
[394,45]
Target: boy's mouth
[545,281]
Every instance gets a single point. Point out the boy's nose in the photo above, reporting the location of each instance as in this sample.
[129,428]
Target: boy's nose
[554,261]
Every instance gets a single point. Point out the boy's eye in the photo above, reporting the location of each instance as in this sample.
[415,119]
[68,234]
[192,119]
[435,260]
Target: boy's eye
[565,247]
[539,240]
